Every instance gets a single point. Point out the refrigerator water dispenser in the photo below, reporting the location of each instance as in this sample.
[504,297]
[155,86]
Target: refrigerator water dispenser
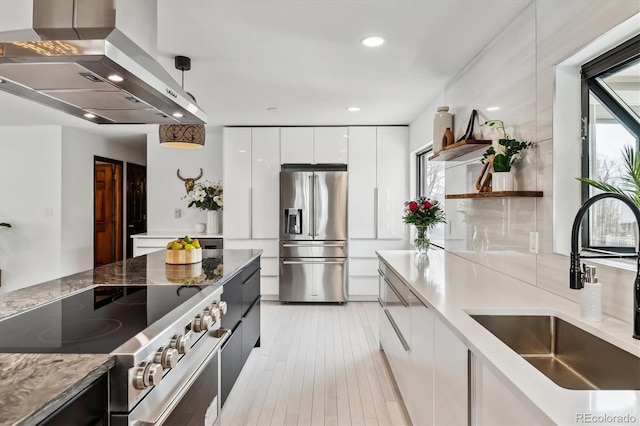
[293,221]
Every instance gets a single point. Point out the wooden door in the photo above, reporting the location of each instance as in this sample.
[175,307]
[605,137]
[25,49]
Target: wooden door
[107,212]
[136,203]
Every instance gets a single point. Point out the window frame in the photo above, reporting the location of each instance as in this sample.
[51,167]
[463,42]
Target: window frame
[601,66]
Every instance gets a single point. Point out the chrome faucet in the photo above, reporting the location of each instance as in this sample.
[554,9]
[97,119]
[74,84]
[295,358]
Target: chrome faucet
[576,276]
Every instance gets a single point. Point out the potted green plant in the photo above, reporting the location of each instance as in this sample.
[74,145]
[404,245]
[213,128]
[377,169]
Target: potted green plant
[504,152]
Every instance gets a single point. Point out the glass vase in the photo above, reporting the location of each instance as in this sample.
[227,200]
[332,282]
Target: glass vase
[422,241]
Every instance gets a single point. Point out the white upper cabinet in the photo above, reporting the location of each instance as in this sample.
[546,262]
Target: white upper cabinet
[265,182]
[393,180]
[237,182]
[296,145]
[378,181]
[331,145]
[251,182]
[362,182]
[314,145]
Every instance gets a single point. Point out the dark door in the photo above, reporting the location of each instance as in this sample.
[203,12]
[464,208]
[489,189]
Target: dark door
[136,203]
[107,212]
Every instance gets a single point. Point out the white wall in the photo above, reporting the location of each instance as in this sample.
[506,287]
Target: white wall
[46,193]
[78,151]
[516,73]
[165,191]
[30,183]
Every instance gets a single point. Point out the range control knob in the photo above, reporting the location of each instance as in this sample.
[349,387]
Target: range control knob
[166,357]
[147,374]
[180,343]
[201,323]
[221,305]
[214,313]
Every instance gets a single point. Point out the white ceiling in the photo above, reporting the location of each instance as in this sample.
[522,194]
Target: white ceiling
[305,57]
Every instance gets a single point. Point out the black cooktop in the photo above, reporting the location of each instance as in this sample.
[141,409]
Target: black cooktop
[97,320]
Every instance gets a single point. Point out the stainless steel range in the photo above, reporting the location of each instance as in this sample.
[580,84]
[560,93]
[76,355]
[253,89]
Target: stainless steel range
[165,340]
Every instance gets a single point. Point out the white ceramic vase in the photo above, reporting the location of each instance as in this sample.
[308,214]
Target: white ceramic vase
[213,222]
[441,121]
[502,181]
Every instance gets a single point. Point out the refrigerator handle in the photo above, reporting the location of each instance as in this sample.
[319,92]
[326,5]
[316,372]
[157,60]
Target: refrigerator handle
[375,211]
[315,204]
[310,207]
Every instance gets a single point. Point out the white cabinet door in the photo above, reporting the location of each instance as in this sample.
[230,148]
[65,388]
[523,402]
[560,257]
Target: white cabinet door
[331,145]
[496,404]
[421,364]
[393,180]
[362,182]
[450,377]
[296,145]
[265,182]
[237,182]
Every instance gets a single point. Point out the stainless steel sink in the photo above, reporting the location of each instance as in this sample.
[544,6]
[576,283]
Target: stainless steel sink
[566,354]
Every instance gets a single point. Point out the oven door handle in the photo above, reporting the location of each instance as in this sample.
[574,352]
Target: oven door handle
[165,414]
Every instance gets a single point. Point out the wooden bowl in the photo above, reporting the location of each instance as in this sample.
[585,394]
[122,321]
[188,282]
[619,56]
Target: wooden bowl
[182,257]
[180,273]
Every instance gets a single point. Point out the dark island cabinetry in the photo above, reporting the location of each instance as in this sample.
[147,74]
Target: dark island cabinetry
[242,294]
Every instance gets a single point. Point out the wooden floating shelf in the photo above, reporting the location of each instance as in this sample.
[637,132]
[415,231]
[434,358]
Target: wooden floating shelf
[496,194]
[459,149]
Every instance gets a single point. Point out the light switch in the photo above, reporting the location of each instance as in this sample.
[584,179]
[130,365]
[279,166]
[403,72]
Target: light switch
[178,213]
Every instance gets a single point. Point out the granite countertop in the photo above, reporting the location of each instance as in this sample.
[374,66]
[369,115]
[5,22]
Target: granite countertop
[32,386]
[454,288]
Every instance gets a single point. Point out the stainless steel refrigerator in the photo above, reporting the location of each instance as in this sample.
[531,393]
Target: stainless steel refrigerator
[313,235]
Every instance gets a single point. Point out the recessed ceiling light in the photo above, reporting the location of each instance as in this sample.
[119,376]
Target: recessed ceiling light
[89,115]
[177,115]
[273,109]
[115,78]
[242,151]
[353,109]
[372,41]
[493,108]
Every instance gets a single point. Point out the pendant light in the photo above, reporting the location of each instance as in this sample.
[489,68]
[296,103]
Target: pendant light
[187,136]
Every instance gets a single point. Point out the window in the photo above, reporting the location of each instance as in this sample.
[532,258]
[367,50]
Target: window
[430,184]
[611,122]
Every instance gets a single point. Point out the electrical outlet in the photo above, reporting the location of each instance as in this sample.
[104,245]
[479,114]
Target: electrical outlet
[533,242]
[178,213]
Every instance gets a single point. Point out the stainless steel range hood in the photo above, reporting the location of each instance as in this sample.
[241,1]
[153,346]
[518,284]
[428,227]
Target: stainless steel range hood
[80,63]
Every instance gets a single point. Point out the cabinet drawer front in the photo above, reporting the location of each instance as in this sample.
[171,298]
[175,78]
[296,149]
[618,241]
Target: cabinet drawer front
[250,291]
[269,267]
[250,269]
[363,286]
[367,267]
[269,286]
[250,329]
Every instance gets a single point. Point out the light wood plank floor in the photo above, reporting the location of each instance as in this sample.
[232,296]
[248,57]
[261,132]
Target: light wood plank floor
[318,365]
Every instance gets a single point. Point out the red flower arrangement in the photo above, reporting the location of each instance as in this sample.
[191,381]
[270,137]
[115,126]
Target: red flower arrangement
[423,213]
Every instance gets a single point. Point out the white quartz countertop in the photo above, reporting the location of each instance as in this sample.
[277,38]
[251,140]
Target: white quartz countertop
[454,288]
[170,234]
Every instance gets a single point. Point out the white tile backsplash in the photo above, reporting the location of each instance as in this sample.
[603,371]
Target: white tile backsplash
[516,73]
